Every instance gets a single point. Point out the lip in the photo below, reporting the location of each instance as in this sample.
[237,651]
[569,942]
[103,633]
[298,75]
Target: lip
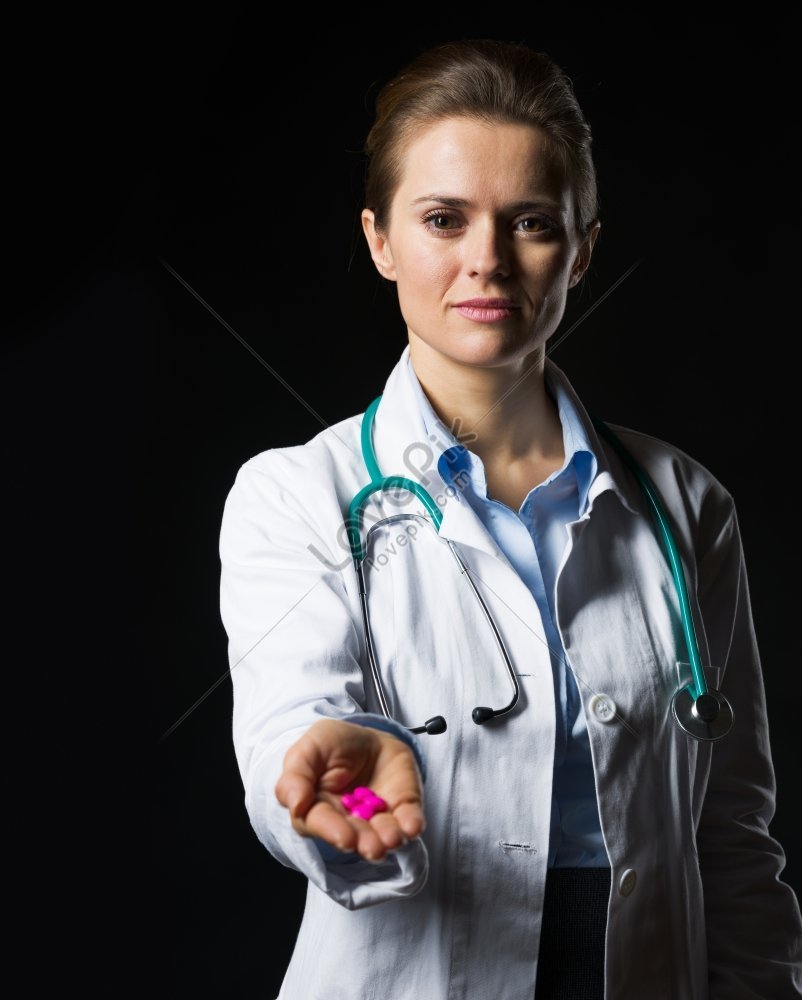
[490,310]
[489,303]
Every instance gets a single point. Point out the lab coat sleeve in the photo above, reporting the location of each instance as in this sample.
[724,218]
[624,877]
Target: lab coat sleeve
[754,930]
[294,659]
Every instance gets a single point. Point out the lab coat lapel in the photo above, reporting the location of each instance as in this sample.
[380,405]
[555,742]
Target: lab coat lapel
[616,544]
[404,448]
[608,476]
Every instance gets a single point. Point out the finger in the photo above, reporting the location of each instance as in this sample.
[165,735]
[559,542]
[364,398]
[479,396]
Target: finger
[389,832]
[325,821]
[369,844]
[410,819]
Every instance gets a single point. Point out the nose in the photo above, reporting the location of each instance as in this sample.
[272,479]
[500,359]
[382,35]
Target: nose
[487,252]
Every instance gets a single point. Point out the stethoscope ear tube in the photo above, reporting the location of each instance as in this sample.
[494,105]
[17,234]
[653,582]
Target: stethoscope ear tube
[437,724]
[433,726]
[480,714]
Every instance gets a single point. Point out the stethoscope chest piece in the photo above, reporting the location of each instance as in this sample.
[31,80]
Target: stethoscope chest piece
[708,717]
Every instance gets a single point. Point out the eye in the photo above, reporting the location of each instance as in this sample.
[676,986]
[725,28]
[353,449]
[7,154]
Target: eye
[535,224]
[440,222]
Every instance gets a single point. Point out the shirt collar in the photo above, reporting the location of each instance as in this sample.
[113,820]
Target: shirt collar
[457,457]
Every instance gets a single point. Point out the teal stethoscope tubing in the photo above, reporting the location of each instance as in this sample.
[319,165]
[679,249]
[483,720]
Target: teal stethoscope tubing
[699,710]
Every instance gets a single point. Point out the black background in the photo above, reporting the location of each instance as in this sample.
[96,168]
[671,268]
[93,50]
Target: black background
[224,146]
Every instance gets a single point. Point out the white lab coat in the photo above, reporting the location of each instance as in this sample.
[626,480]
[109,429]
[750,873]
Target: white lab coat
[696,909]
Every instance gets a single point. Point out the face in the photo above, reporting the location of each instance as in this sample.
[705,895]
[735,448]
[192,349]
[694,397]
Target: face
[480,242]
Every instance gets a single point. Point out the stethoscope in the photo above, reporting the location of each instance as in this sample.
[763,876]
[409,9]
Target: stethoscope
[699,710]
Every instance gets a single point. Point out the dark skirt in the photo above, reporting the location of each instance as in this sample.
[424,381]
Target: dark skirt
[571,960]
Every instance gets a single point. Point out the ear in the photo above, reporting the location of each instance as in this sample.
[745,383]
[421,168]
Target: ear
[379,247]
[582,259]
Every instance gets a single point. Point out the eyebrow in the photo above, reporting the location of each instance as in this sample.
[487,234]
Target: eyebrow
[516,206]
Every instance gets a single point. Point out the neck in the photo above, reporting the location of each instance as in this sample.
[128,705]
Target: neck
[507,407]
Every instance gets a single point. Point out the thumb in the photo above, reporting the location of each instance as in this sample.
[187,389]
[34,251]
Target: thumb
[295,793]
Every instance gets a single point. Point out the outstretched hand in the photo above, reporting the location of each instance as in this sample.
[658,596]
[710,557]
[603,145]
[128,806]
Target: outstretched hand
[331,758]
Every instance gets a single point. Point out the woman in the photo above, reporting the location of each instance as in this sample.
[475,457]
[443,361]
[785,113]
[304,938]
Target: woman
[555,833]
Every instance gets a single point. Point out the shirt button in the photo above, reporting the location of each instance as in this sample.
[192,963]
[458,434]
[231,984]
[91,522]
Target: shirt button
[627,882]
[602,707]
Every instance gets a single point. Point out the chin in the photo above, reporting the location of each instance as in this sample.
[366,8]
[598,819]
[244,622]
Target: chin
[486,349]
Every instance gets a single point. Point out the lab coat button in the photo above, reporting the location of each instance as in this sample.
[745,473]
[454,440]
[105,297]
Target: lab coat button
[627,882]
[602,707]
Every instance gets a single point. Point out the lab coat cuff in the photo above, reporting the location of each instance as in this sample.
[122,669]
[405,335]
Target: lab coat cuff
[358,883]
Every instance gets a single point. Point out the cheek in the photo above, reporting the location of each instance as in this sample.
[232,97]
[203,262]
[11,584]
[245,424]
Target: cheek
[425,270]
[550,274]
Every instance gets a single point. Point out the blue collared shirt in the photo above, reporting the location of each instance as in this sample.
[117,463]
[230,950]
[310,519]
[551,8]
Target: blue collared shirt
[534,539]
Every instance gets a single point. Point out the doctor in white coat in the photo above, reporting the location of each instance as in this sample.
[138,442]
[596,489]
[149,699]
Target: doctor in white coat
[482,210]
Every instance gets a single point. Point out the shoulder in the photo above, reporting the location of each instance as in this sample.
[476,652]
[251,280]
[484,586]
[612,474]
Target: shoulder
[299,489]
[687,488]
[328,455]
[662,457]
[685,481]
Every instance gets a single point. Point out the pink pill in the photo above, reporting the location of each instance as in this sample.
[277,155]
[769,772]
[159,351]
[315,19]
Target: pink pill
[363,802]
[363,809]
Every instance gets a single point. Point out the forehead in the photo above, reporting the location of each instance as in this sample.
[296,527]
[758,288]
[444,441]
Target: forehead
[481,161]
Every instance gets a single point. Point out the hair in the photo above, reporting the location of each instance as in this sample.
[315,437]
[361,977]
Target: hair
[491,81]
